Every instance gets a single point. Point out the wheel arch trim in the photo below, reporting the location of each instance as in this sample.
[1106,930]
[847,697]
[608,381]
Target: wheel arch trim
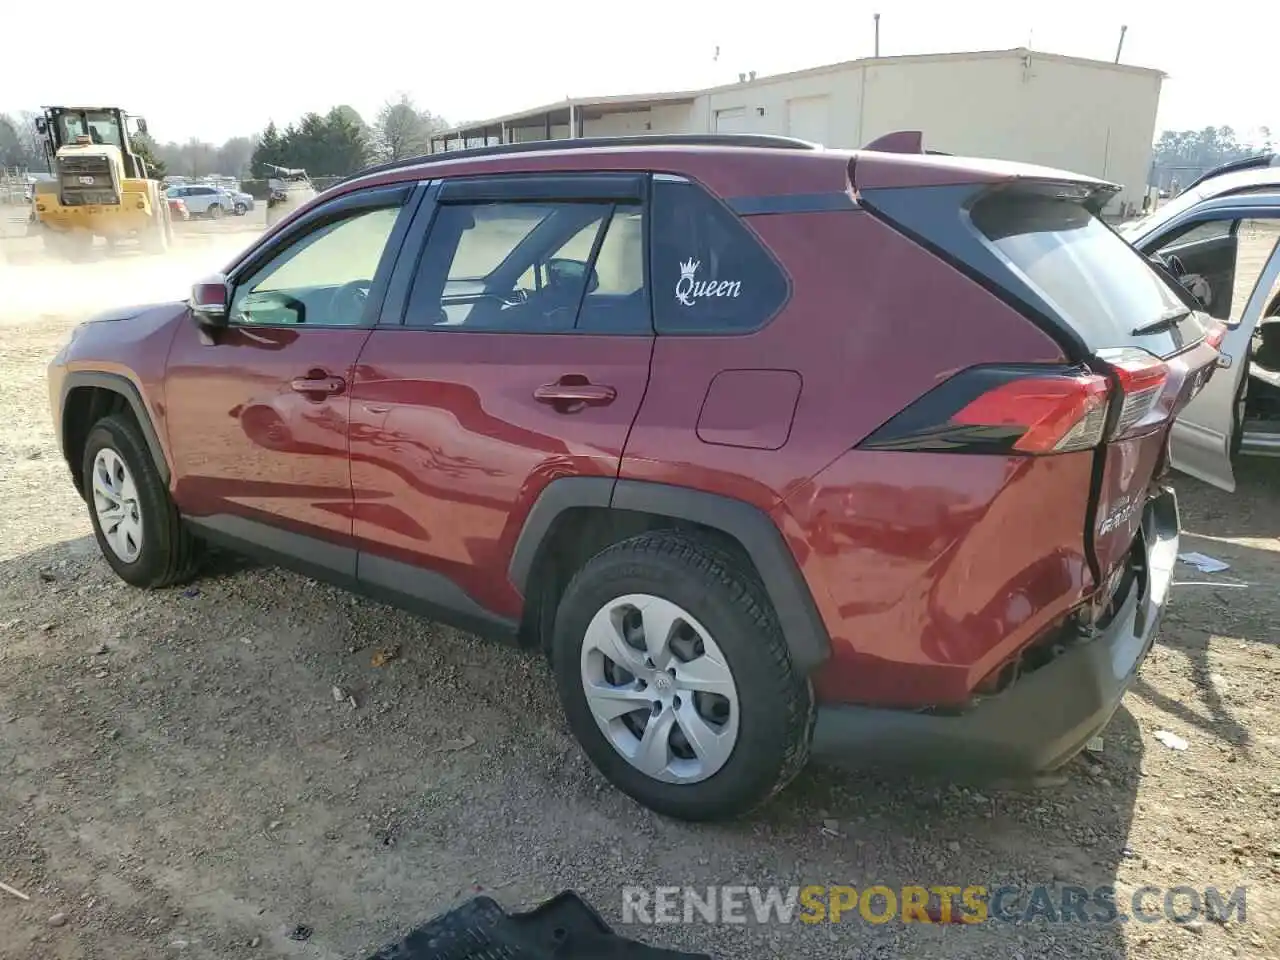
[122,385]
[806,635]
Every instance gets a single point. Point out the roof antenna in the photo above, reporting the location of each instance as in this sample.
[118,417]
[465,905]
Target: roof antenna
[876,17]
[1120,45]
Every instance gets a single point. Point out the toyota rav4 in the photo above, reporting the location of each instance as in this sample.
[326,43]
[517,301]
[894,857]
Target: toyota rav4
[774,450]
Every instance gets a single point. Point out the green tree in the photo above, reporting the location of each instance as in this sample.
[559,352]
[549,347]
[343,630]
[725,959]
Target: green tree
[147,150]
[1182,155]
[346,141]
[269,150]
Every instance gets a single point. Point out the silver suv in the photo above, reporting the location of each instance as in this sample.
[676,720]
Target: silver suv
[204,201]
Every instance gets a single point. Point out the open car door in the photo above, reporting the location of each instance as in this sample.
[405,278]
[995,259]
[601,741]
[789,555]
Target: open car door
[1233,272]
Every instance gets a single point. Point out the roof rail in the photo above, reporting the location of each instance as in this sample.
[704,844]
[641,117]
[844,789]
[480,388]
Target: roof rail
[1255,162]
[760,140]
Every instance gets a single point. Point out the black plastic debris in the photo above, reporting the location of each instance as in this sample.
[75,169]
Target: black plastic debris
[300,933]
[564,928]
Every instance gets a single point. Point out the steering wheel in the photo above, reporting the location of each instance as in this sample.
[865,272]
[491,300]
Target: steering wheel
[349,300]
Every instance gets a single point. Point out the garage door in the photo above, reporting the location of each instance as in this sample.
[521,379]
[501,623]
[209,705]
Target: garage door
[809,118]
[731,121]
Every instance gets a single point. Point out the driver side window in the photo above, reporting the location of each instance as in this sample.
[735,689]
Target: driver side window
[322,279]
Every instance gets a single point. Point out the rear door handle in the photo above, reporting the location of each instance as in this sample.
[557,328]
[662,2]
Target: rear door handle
[322,383]
[567,394]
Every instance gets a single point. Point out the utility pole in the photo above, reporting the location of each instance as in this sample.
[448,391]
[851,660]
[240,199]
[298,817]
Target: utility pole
[1120,45]
[876,16]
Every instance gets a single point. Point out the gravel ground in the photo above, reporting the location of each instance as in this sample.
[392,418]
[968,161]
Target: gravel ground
[179,778]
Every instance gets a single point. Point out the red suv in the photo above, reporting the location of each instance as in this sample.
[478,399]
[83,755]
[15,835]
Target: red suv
[773,449]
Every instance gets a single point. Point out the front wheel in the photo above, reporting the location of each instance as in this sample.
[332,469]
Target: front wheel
[241,209]
[675,678]
[134,519]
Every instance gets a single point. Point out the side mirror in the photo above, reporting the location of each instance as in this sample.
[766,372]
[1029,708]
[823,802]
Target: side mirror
[41,126]
[142,126]
[210,300]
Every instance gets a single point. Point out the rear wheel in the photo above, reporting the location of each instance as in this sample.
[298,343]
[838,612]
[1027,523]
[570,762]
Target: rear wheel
[134,519]
[215,211]
[676,680]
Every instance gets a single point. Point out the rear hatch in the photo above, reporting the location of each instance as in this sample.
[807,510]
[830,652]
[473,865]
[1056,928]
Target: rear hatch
[1136,347]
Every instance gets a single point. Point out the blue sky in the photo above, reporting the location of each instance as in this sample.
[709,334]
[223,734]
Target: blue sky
[466,65]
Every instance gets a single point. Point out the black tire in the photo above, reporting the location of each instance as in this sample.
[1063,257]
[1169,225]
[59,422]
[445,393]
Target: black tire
[776,702]
[214,212]
[241,209]
[169,553]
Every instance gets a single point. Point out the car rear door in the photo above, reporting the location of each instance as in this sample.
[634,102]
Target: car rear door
[1239,274]
[513,348]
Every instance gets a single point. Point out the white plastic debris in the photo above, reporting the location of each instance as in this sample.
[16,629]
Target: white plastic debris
[1171,740]
[1204,563]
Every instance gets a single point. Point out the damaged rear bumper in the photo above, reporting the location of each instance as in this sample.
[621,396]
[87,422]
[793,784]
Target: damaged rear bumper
[1046,717]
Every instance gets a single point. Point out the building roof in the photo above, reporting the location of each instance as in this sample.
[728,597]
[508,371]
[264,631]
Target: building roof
[628,102]
[620,103]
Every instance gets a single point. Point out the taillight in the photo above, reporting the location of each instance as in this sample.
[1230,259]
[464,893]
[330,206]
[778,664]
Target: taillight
[1215,335]
[1032,410]
[1142,380]
[1051,414]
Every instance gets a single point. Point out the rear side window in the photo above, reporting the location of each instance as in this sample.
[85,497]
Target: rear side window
[1094,280]
[710,273]
[533,267]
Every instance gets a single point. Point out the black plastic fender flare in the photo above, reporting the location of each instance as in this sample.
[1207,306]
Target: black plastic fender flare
[125,388]
[802,627]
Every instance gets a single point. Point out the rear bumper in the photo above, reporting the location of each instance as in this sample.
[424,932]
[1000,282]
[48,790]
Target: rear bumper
[1042,720]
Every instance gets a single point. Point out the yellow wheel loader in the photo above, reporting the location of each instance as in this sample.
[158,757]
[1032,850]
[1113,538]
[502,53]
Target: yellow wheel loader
[101,187]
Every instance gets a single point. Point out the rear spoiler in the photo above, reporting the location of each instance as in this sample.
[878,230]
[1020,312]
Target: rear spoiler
[917,169]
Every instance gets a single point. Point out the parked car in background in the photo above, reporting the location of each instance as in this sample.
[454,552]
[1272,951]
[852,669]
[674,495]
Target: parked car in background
[178,209]
[771,449]
[1221,238]
[241,202]
[203,200]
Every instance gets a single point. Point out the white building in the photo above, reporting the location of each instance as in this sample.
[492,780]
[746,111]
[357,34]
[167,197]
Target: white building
[1088,116]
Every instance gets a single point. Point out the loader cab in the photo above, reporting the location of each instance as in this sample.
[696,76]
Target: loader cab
[91,126]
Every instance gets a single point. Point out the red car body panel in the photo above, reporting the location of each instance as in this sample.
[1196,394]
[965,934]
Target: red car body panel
[450,450]
[136,351]
[931,581]
[245,443]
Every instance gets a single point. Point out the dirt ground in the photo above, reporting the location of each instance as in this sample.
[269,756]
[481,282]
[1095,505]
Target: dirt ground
[178,779]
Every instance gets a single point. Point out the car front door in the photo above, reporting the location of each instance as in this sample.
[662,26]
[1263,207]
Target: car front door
[1228,250]
[259,409]
[519,354]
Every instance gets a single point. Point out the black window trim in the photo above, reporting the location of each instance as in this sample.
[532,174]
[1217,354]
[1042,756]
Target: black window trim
[743,219]
[407,196]
[589,187]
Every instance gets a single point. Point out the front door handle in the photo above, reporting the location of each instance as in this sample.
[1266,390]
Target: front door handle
[571,394]
[319,382]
